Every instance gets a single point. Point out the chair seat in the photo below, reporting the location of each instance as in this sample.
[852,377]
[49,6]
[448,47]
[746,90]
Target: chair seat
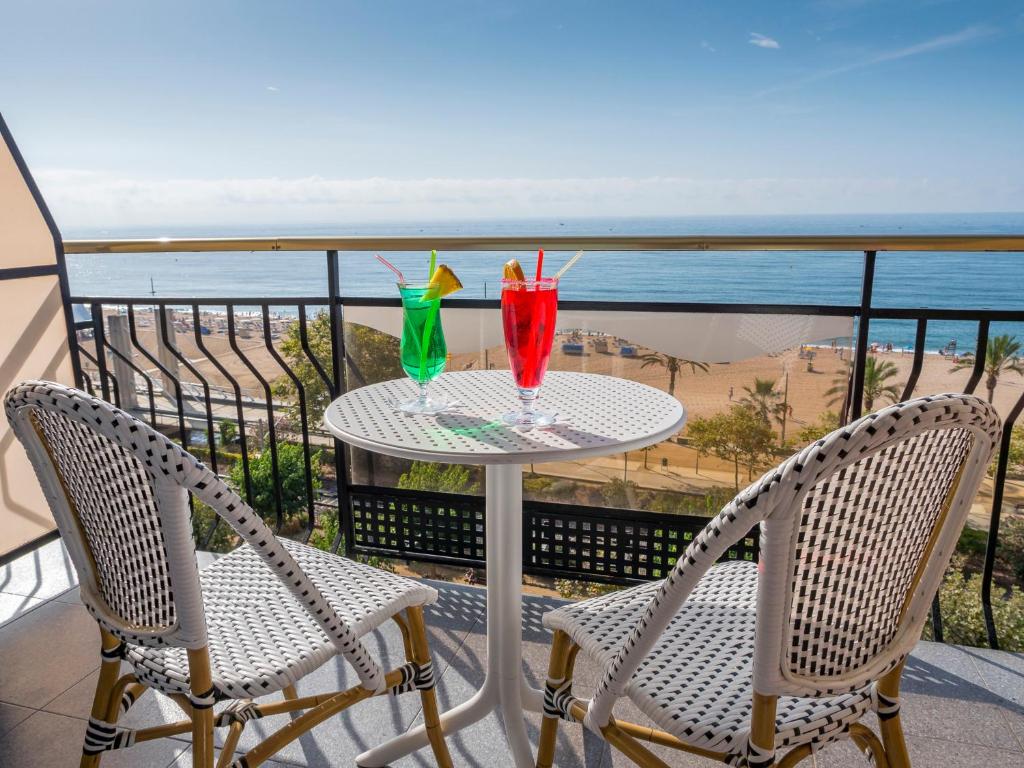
[262,639]
[697,682]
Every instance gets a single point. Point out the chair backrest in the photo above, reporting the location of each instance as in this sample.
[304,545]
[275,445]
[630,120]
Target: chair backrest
[856,532]
[859,528]
[124,517]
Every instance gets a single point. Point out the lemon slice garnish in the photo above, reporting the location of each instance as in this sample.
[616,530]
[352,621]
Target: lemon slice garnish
[512,271]
[443,283]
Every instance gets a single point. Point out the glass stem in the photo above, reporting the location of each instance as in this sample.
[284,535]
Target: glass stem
[528,399]
[424,395]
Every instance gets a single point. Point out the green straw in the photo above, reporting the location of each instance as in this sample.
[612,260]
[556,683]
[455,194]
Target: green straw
[428,329]
[433,264]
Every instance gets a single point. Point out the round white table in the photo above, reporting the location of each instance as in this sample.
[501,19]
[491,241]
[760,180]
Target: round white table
[597,416]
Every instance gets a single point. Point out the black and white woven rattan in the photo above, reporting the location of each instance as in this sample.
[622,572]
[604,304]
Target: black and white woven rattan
[599,415]
[739,662]
[253,623]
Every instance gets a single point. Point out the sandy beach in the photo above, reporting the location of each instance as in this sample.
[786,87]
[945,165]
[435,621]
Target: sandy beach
[670,466]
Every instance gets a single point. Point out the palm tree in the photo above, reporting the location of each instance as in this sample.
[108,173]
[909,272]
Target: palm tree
[764,399]
[673,365]
[1002,354]
[877,374]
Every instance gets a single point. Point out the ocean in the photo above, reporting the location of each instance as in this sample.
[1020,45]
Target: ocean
[946,280]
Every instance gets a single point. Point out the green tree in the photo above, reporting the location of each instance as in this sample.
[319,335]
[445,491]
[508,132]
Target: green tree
[671,364]
[763,398]
[827,422]
[1002,354]
[222,538]
[291,464]
[228,431]
[372,355]
[877,384]
[646,452]
[1015,457]
[701,437]
[447,478]
[738,435]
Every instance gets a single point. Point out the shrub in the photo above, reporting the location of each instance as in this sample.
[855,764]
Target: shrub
[619,493]
[428,476]
[571,589]
[963,621]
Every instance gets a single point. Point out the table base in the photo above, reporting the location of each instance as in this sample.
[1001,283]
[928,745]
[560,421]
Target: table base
[505,688]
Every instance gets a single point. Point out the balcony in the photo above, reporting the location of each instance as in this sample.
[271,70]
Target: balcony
[962,706]
[241,380]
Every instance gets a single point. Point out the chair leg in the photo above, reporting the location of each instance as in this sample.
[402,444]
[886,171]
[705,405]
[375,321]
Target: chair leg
[201,684]
[895,745]
[110,670]
[868,743]
[891,727]
[795,755]
[558,671]
[431,717]
[632,748]
[230,742]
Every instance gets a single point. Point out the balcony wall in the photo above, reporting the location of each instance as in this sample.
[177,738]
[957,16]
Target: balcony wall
[34,340]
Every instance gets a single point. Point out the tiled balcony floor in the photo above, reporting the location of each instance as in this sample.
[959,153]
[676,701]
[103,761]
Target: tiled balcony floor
[962,706]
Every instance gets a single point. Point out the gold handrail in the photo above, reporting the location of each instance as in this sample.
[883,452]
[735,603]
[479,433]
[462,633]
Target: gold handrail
[976,243]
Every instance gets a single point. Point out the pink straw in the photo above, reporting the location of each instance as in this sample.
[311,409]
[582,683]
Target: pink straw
[540,264]
[392,267]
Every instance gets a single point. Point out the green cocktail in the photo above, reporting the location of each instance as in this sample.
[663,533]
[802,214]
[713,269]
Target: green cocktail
[424,352]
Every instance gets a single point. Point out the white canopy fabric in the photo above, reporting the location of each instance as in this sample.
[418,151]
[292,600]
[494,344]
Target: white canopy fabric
[706,337]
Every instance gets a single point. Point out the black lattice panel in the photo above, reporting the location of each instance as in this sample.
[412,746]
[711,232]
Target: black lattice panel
[558,540]
[449,528]
[637,547]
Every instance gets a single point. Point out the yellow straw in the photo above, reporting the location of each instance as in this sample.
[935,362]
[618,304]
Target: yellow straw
[568,264]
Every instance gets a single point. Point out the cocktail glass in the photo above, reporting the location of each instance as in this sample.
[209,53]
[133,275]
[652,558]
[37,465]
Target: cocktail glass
[529,309]
[424,351]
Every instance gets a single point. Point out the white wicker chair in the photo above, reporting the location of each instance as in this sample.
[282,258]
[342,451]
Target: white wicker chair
[253,623]
[737,661]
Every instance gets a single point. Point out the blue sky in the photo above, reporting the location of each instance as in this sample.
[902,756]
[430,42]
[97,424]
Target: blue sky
[307,112]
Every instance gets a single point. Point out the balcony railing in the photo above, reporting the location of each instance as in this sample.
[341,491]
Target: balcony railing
[164,367]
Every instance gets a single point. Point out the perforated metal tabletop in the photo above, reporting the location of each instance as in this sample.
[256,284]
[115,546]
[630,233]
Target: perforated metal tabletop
[598,415]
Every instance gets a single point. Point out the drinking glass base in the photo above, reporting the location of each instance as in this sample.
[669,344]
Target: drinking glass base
[425,405]
[529,419]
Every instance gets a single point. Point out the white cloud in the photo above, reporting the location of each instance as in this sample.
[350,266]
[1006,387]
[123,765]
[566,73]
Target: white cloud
[763,41]
[707,46]
[81,199]
[942,42]
[273,88]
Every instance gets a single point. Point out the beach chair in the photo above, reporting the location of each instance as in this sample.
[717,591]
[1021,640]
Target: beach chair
[253,623]
[762,664]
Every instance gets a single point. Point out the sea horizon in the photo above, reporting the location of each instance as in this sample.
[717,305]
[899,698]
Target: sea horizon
[932,279]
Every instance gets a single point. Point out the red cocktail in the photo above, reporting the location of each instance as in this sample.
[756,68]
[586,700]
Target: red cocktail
[529,309]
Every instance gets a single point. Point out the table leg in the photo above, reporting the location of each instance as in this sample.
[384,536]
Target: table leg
[505,687]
